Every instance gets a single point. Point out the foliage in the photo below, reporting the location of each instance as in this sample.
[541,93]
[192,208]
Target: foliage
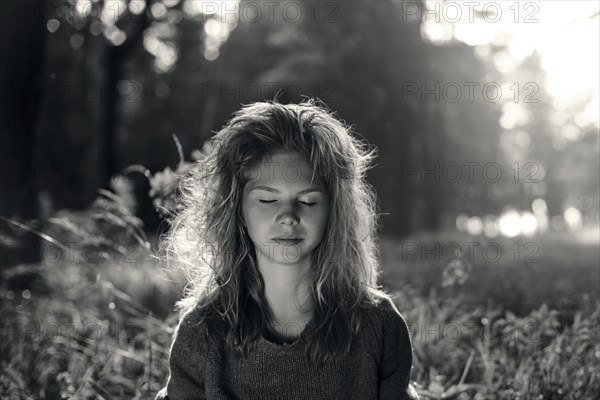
[98,325]
[145,72]
[164,185]
[101,327]
[114,336]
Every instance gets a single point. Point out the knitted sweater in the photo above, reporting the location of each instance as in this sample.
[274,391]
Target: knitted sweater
[377,367]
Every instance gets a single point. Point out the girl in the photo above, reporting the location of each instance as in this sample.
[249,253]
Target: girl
[277,236]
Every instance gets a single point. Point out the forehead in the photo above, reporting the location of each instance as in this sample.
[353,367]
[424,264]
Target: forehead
[283,169]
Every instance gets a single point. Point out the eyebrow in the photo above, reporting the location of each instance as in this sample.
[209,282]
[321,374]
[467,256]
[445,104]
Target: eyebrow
[273,190]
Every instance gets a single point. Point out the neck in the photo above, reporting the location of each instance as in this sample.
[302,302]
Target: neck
[285,301]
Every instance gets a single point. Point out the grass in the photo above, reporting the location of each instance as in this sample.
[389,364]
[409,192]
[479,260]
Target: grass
[507,329]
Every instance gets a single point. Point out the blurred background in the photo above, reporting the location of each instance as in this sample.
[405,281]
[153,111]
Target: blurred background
[486,120]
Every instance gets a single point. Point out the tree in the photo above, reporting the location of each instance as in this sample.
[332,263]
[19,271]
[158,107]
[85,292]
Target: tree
[21,89]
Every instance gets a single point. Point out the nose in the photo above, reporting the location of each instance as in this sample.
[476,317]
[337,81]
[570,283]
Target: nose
[288,216]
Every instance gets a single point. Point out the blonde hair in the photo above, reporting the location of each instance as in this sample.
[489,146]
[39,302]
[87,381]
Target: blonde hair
[208,240]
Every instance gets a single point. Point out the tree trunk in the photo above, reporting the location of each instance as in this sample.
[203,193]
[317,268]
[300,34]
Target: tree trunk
[22,44]
[116,58]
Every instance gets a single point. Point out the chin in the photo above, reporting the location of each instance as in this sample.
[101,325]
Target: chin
[288,255]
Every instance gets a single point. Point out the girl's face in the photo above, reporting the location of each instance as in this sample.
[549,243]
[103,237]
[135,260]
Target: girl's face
[284,212]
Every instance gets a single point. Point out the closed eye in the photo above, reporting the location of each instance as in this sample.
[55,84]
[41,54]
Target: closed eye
[308,204]
[267,201]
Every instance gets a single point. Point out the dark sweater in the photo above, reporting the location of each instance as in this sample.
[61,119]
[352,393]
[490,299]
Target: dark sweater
[377,367]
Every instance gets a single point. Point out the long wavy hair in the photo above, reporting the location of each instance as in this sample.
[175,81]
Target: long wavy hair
[208,240]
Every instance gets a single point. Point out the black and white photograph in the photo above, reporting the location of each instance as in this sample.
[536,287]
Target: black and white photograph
[300,199]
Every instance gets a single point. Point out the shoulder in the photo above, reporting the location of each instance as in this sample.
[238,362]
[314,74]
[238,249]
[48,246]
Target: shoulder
[384,316]
[189,356]
[386,331]
[192,329]
[191,320]
[393,321]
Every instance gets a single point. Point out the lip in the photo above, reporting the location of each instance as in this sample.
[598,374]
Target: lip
[288,240]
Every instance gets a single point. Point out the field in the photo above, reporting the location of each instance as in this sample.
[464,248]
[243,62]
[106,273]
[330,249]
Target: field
[519,324]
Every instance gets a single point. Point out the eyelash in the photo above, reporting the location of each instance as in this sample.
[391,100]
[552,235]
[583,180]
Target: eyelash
[306,203]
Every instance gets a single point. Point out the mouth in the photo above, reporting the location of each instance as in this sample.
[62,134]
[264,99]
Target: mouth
[287,241]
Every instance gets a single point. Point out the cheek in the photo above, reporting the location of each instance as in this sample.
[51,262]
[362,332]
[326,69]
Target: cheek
[256,218]
[319,220]
[248,216]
